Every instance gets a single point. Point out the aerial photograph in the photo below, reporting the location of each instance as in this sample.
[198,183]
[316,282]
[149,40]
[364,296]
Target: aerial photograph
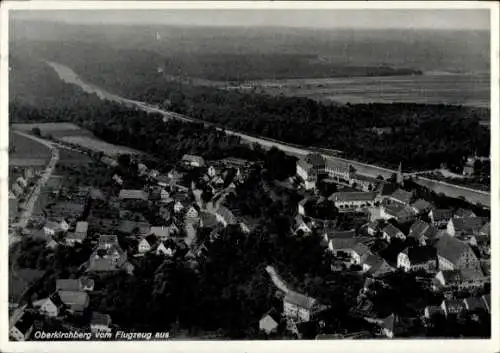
[248,174]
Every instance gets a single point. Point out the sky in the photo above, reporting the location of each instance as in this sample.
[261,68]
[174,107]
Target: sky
[364,19]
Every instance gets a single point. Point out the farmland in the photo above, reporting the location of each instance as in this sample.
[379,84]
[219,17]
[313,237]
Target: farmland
[434,88]
[26,152]
[98,145]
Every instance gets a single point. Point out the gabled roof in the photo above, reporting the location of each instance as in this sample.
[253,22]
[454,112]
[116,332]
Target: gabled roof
[442,214]
[450,248]
[402,196]
[300,300]
[451,276]
[336,164]
[421,254]
[76,300]
[391,230]
[68,285]
[208,219]
[105,239]
[419,229]
[421,205]
[469,224]
[81,227]
[315,159]
[336,233]
[133,195]
[361,249]
[342,243]
[160,231]
[193,159]
[353,196]
[475,303]
[485,230]
[454,305]
[464,213]
[227,215]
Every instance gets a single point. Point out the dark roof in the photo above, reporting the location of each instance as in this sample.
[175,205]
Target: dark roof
[419,229]
[474,303]
[450,248]
[353,196]
[442,214]
[402,196]
[343,243]
[421,254]
[68,285]
[422,205]
[391,230]
[464,213]
[315,159]
[454,305]
[386,189]
[451,276]
[336,233]
[25,322]
[469,224]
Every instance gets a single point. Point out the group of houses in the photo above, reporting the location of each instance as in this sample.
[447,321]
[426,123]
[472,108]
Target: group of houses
[70,297]
[22,178]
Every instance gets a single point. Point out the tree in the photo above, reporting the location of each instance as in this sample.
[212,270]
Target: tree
[36,131]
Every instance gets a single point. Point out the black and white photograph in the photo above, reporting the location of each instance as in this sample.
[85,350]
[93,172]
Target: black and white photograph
[262,173]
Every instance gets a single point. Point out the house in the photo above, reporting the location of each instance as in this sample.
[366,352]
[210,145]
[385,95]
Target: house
[454,254]
[475,304]
[372,228]
[309,167]
[421,207]
[211,171]
[162,232]
[302,225]
[397,211]
[193,161]
[339,170]
[464,213]
[432,310]
[81,229]
[71,285]
[153,173]
[192,211]
[386,325]
[126,194]
[164,181]
[225,216]
[100,322]
[421,232]
[299,307]
[50,306]
[342,245]
[375,266]
[178,206]
[161,249]
[51,243]
[353,199]
[418,258]
[145,245]
[22,182]
[23,327]
[141,168]
[485,230]
[440,217]
[269,322]
[108,256]
[364,183]
[302,205]
[464,226]
[459,279]
[390,232]
[76,302]
[452,307]
[53,227]
[117,179]
[107,240]
[208,219]
[86,284]
[402,197]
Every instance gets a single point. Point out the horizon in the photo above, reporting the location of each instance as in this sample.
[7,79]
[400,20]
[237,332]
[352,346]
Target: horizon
[382,19]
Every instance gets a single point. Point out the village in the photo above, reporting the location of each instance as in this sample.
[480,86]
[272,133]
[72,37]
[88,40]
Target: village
[369,226]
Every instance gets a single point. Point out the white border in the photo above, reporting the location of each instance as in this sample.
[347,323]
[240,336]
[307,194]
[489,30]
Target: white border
[456,346]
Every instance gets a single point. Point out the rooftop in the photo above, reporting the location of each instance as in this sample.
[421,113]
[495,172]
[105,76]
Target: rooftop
[450,248]
[468,224]
[300,300]
[81,227]
[402,196]
[421,254]
[353,196]
[421,205]
[442,214]
[68,285]
[126,194]
[391,230]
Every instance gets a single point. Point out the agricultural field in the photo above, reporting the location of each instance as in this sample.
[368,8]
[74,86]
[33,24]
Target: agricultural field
[99,145]
[433,88]
[67,156]
[55,130]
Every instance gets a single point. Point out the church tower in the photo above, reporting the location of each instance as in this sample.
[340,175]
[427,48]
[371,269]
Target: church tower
[399,178]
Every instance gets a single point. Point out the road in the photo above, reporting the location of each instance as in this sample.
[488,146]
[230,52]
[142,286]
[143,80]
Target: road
[31,200]
[471,195]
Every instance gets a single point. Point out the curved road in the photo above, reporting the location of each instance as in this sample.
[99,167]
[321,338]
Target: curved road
[30,203]
[455,191]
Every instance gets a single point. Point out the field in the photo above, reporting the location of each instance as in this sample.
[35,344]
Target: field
[24,152]
[72,157]
[434,88]
[98,145]
[53,129]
